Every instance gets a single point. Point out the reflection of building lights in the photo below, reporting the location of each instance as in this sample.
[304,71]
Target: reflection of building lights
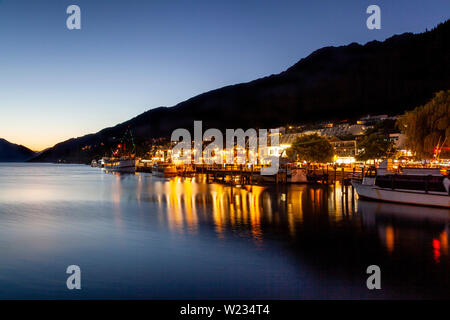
[390,238]
[436,250]
[444,242]
[183,204]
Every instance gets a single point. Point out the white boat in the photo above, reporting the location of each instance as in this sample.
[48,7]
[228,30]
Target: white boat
[123,164]
[295,175]
[417,186]
[94,163]
[371,210]
[123,159]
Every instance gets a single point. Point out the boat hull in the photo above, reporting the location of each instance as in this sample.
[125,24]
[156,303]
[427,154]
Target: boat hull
[122,166]
[401,196]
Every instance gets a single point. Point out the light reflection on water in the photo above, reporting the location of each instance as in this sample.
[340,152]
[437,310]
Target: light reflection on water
[139,236]
[185,202]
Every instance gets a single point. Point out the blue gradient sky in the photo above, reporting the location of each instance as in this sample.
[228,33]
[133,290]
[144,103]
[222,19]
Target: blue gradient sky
[133,55]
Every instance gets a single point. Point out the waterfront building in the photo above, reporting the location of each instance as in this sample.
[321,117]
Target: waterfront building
[345,150]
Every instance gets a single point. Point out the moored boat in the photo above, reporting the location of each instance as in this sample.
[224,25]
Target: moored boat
[163,169]
[122,164]
[123,159]
[417,186]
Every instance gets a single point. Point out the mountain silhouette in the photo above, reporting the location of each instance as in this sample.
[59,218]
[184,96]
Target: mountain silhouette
[10,152]
[332,83]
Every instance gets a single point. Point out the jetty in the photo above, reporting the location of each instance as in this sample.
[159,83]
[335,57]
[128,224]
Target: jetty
[251,174]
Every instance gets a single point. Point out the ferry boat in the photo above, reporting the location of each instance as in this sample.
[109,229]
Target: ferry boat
[417,186]
[123,159]
[122,164]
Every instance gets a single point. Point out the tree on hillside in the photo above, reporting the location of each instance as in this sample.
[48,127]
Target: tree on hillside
[374,146]
[427,126]
[311,148]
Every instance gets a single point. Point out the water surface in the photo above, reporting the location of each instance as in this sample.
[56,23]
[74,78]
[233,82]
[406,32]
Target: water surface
[144,237]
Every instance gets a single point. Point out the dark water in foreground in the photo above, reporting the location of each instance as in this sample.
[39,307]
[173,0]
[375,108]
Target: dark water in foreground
[138,236]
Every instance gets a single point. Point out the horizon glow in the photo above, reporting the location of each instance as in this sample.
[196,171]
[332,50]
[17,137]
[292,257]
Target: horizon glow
[132,56]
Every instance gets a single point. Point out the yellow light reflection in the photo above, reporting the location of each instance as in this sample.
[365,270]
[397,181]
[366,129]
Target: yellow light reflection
[444,242]
[183,202]
[390,239]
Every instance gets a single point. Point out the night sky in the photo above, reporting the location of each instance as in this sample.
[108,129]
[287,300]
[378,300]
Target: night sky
[132,55]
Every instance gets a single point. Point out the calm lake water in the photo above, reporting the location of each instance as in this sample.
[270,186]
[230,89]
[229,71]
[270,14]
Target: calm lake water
[143,237]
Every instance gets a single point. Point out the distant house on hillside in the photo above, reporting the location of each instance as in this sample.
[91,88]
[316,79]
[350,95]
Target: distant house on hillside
[344,130]
[370,120]
[399,140]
